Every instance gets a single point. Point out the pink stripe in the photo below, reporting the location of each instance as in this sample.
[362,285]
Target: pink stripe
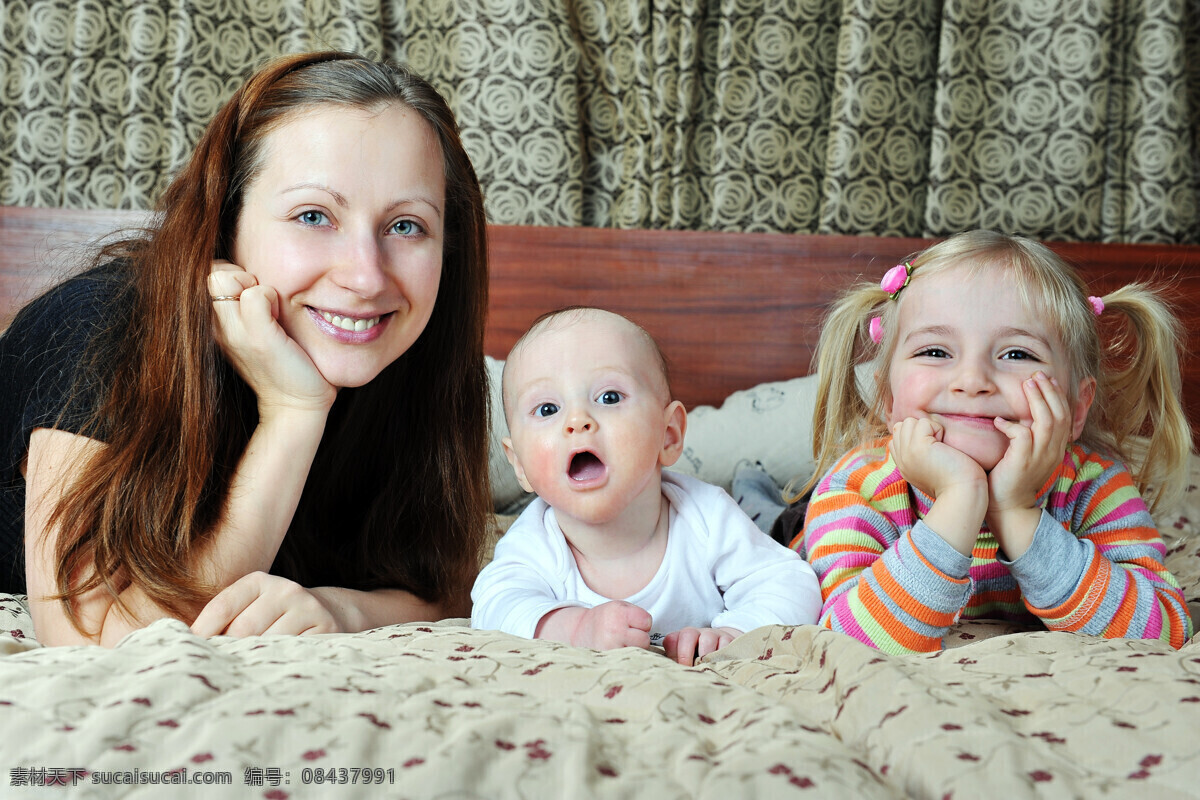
[992,569]
[853,560]
[1154,625]
[1131,506]
[849,624]
[855,524]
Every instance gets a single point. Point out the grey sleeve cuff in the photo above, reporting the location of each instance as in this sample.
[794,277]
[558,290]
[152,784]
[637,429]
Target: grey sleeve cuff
[1050,570]
[939,553]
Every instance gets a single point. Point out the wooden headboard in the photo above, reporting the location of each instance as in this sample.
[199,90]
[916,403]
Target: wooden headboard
[729,310]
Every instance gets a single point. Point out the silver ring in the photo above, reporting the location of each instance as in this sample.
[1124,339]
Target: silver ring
[226,297]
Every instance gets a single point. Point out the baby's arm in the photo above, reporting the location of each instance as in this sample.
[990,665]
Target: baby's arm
[604,627]
[1107,578]
[523,591]
[894,590]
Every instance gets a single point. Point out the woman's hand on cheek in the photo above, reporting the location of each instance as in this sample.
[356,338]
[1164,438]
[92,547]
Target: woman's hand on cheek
[260,603]
[1034,451]
[248,331]
[928,463]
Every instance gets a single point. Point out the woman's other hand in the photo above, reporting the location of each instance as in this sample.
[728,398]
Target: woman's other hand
[260,603]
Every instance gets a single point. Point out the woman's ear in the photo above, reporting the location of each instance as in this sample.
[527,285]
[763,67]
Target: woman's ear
[676,418]
[1083,403]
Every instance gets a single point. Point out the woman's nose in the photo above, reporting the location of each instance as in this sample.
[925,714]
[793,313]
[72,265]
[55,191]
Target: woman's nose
[361,266]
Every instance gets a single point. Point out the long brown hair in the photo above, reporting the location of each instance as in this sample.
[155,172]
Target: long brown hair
[398,493]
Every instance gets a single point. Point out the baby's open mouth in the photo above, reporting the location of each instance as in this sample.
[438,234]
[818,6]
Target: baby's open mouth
[585,466]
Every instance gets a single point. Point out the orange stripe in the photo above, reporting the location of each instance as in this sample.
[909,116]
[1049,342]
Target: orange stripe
[1086,589]
[1178,628]
[1120,622]
[894,590]
[905,637]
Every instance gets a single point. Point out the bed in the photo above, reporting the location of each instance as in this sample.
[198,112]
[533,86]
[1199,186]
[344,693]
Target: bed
[441,710]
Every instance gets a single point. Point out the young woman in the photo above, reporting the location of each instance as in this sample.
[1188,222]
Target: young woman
[269,413]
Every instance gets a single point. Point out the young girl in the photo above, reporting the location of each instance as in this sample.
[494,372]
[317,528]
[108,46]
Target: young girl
[984,476]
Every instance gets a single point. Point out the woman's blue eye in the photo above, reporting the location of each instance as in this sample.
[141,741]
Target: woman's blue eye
[610,398]
[406,227]
[312,217]
[545,410]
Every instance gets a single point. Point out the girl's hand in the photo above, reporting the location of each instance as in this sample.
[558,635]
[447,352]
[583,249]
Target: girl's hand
[956,482]
[247,329]
[928,463]
[1034,453]
[260,603]
[688,645]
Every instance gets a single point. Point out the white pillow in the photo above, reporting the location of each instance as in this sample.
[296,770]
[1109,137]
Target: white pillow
[770,423]
[505,489]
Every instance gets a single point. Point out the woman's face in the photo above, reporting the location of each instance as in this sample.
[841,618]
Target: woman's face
[345,221]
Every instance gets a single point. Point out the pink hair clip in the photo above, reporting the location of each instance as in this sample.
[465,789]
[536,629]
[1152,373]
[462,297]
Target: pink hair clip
[896,278]
[1097,304]
[876,329]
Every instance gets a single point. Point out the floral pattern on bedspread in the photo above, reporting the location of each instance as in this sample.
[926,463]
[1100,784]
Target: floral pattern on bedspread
[781,712]
[448,711]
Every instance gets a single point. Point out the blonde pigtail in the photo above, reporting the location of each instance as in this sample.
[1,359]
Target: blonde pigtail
[1141,387]
[841,414]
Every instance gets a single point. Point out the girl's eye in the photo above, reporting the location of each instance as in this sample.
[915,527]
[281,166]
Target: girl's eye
[933,352]
[545,410]
[406,227]
[312,218]
[1018,355]
[610,398]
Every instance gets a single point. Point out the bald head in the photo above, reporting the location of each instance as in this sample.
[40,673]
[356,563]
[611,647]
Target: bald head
[623,337]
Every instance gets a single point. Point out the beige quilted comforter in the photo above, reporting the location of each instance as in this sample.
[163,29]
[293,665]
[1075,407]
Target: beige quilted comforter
[443,711]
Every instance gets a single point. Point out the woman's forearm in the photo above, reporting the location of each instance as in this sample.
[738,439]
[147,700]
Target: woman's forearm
[263,496]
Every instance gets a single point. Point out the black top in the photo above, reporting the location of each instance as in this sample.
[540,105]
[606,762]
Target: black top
[41,355]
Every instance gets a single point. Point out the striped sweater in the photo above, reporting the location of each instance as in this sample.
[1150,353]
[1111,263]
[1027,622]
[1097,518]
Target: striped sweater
[1095,565]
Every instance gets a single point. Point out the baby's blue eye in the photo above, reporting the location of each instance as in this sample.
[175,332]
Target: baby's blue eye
[312,217]
[406,227]
[610,398]
[545,410]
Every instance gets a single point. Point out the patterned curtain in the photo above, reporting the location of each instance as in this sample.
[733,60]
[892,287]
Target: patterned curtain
[890,117]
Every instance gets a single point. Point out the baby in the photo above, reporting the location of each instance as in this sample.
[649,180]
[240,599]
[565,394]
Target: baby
[614,551]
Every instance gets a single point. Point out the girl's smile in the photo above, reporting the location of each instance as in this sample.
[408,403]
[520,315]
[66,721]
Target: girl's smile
[966,343]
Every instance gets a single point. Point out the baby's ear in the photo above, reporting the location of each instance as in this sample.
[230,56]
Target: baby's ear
[1083,402]
[676,419]
[511,455]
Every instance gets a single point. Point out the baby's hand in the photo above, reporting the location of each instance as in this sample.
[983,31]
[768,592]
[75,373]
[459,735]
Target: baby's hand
[687,645]
[1034,451]
[607,626]
[928,463]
